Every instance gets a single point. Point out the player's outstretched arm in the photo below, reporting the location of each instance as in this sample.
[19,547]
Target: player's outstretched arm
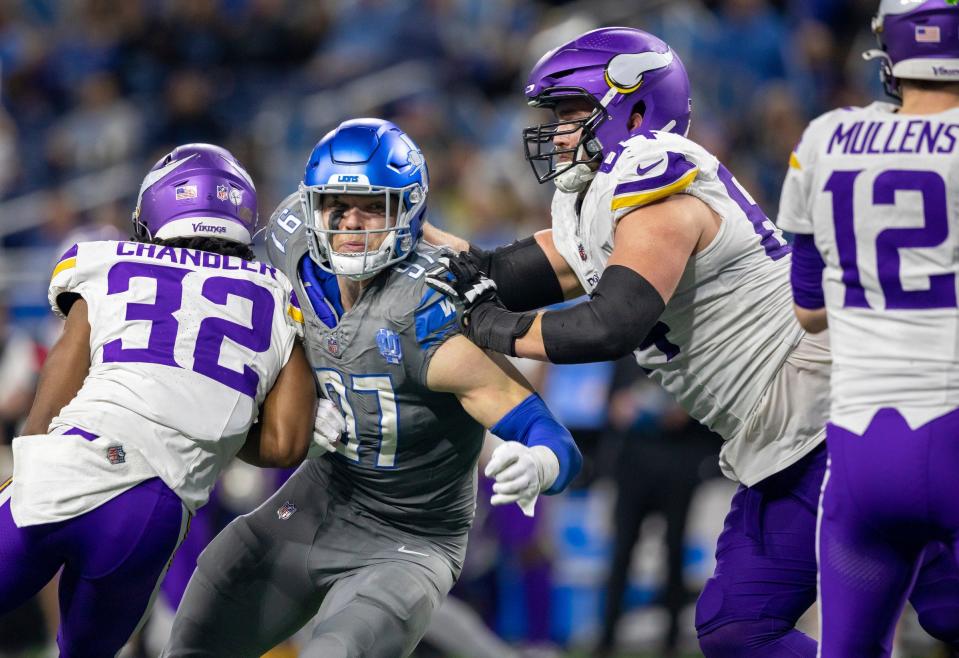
[538,454]
[653,246]
[530,273]
[63,372]
[285,430]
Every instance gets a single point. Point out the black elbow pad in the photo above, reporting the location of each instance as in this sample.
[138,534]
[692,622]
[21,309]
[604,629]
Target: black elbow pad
[623,309]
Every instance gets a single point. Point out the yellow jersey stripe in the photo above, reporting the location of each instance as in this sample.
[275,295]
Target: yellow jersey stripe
[641,199]
[295,313]
[794,161]
[6,484]
[64,265]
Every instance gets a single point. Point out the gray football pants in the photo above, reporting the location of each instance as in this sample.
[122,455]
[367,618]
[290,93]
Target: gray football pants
[371,586]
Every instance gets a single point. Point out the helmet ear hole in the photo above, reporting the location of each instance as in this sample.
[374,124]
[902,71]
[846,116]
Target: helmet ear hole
[640,109]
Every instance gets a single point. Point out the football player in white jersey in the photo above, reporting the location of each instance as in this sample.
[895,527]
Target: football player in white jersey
[684,269]
[173,345]
[871,195]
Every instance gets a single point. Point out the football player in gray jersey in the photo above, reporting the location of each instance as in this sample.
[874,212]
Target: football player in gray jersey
[370,538]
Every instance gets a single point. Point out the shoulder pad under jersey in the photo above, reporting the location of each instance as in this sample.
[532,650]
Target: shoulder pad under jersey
[286,240]
[407,285]
[652,166]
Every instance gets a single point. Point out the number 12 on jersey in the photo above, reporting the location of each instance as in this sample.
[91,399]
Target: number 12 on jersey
[380,386]
[941,292]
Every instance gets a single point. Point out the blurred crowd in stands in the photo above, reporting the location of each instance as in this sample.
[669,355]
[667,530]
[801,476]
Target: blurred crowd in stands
[92,92]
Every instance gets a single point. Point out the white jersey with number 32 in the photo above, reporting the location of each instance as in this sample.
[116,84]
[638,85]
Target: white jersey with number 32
[880,193]
[184,347]
[729,327]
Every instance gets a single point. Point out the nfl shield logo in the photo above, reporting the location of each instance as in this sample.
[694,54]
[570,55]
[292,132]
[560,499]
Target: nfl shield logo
[222,193]
[286,510]
[332,345]
[116,455]
[582,252]
[389,343]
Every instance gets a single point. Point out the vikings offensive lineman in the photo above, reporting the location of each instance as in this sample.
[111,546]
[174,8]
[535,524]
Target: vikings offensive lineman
[684,269]
[370,539]
[871,196]
[172,344]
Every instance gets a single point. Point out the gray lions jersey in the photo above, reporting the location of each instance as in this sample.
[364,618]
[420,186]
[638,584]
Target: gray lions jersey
[410,453]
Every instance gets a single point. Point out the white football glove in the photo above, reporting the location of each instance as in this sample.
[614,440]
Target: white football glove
[328,426]
[521,474]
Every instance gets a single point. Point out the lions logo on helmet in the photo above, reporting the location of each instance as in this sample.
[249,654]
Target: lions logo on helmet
[368,157]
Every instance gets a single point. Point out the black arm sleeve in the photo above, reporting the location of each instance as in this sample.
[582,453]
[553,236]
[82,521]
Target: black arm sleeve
[524,278]
[623,309]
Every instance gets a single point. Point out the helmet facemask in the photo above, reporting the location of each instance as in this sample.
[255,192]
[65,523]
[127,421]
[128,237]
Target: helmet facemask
[401,206]
[541,150]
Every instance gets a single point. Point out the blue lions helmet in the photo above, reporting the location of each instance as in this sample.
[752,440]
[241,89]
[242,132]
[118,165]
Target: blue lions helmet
[367,157]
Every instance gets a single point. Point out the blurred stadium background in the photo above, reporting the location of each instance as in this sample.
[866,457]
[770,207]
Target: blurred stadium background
[92,92]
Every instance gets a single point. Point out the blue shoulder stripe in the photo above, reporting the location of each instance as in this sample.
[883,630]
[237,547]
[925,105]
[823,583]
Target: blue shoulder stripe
[434,321]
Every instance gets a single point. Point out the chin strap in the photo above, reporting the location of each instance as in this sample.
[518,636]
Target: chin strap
[577,177]
[889,82]
[574,179]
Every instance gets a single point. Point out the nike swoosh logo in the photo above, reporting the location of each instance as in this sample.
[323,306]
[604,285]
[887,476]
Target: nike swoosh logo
[642,171]
[403,549]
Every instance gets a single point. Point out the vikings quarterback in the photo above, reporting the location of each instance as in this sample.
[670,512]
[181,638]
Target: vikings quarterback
[172,344]
[871,196]
[684,269]
[371,538]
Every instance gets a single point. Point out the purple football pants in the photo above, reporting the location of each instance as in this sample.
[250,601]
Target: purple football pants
[888,493]
[766,574]
[113,558]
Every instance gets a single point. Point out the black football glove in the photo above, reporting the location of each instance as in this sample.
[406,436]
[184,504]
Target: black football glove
[461,279]
[485,321]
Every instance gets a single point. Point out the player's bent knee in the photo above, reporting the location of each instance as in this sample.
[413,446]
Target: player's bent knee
[942,623]
[756,638]
[709,605]
[726,641]
[730,641]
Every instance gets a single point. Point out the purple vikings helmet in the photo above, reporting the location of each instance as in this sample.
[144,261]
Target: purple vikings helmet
[918,40]
[197,190]
[617,71]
